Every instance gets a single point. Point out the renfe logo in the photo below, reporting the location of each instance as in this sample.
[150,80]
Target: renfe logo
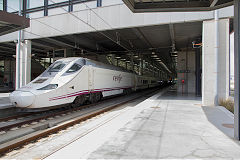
[117,78]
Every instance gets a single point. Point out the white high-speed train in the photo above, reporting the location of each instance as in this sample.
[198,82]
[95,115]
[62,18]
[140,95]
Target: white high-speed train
[77,80]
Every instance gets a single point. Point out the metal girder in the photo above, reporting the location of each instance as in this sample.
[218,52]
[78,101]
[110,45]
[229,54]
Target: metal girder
[118,40]
[213,3]
[46,47]
[38,50]
[86,42]
[60,42]
[47,43]
[8,48]
[65,43]
[6,53]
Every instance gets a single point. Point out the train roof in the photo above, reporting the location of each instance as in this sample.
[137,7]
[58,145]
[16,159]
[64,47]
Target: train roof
[105,66]
[96,64]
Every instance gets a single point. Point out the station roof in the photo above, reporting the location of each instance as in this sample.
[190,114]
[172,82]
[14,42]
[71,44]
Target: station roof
[10,22]
[175,5]
[143,41]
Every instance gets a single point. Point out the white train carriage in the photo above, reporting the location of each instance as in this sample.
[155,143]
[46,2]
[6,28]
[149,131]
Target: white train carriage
[73,80]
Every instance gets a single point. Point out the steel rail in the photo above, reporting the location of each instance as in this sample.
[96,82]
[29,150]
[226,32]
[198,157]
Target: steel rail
[14,117]
[48,115]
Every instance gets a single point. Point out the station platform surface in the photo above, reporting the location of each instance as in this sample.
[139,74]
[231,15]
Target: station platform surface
[5,101]
[163,126]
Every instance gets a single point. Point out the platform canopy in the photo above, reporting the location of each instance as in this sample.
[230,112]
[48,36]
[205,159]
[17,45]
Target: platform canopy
[175,5]
[10,22]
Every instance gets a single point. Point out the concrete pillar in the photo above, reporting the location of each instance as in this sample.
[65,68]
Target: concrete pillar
[215,69]
[23,75]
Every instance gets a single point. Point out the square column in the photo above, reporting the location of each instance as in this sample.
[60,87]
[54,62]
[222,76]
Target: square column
[23,74]
[215,69]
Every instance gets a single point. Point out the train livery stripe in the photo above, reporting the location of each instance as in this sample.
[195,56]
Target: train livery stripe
[86,92]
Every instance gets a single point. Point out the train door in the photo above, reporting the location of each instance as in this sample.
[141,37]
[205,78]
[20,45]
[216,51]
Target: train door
[90,78]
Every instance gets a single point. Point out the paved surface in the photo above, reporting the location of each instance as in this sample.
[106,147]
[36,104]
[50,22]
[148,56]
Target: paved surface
[163,126]
[5,101]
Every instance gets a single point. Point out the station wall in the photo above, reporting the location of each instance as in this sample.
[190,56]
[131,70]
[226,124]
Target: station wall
[186,71]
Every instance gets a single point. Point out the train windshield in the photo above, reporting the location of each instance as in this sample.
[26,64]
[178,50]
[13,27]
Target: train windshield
[54,68]
[74,68]
[57,66]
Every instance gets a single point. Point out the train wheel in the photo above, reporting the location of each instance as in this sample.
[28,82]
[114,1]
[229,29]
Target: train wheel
[79,100]
[95,97]
[98,96]
[129,90]
[125,91]
[92,98]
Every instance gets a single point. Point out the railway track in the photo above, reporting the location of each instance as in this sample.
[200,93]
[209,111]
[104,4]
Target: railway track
[18,121]
[77,115]
[10,122]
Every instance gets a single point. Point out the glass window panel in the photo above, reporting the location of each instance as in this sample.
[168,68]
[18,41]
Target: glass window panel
[1,5]
[57,11]
[36,14]
[111,2]
[35,3]
[87,5]
[74,68]
[12,5]
[55,1]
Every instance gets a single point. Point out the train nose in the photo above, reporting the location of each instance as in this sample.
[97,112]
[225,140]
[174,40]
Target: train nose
[21,99]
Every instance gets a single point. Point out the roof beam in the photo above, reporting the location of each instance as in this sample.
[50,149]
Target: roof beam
[141,35]
[213,3]
[118,40]
[86,42]
[60,42]
[46,47]
[65,43]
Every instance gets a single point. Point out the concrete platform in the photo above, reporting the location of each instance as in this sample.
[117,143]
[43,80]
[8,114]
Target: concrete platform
[163,126]
[5,101]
